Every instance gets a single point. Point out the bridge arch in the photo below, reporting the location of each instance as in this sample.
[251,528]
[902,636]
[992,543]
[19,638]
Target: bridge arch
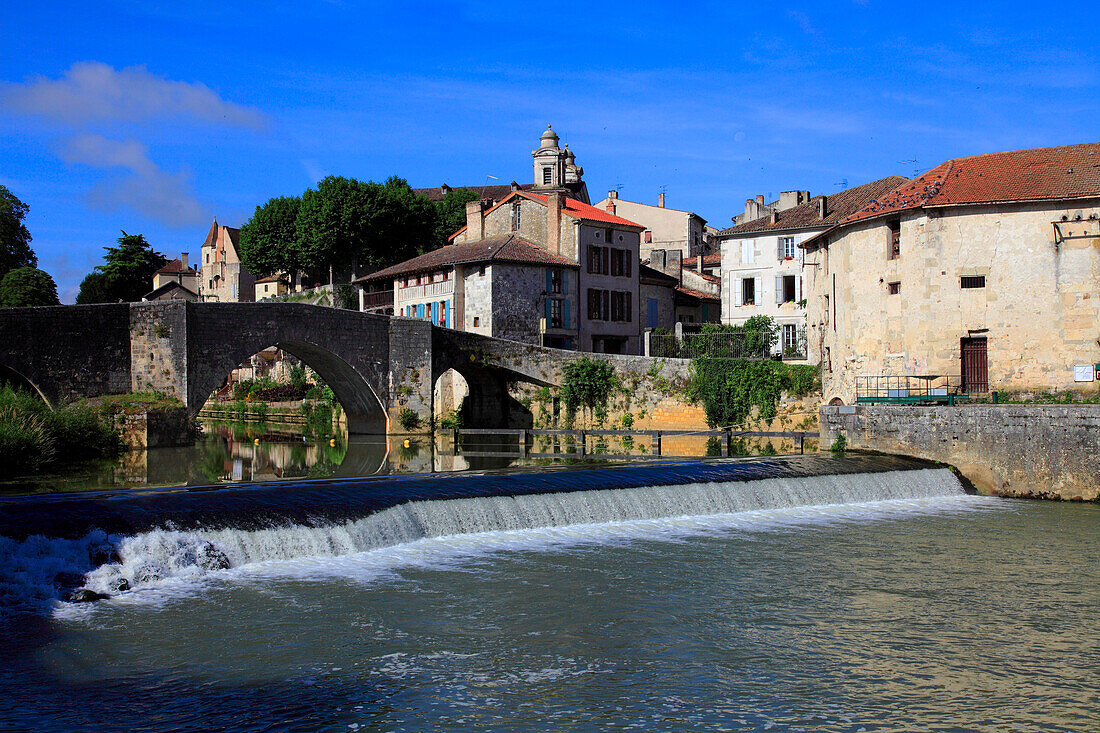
[362,405]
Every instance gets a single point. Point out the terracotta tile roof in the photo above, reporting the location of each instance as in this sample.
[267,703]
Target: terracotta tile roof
[707,276]
[170,285]
[839,206]
[272,279]
[503,248]
[485,192]
[584,212]
[698,294]
[1038,174]
[711,259]
[175,267]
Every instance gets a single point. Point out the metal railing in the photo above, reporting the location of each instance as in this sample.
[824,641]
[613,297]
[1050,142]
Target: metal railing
[730,345]
[910,388]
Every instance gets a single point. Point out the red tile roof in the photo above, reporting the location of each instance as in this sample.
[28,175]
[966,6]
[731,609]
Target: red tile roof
[698,294]
[838,207]
[1038,174]
[584,212]
[503,248]
[711,259]
[175,267]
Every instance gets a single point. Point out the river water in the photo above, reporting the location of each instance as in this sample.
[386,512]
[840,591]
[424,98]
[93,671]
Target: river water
[928,609]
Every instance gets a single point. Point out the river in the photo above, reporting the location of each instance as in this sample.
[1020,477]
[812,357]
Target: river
[854,602]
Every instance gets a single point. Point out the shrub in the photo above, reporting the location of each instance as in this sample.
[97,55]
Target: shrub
[298,378]
[627,421]
[451,421]
[32,436]
[587,384]
[408,419]
[840,444]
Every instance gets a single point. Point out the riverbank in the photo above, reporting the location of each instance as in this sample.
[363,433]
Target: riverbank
[1033,451]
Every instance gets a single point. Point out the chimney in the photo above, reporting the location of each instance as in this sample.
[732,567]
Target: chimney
[613,194]
[699,262]
[661,200]
[553,221]
[183,259]
[775,216]
[610,207]
[676,264]
[475,222]
[760,199]
[657,260]
[823,207]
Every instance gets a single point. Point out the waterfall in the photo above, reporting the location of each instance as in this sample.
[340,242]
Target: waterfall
[39,570]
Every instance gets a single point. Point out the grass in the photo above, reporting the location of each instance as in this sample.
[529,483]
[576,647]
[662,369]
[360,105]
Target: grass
[34,437]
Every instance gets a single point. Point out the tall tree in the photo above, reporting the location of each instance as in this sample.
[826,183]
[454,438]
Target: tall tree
[15,240]
[126,273]
[27,286]
[269,240]
[452,212]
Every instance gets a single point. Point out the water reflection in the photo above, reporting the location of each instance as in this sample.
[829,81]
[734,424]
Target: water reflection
[228,452]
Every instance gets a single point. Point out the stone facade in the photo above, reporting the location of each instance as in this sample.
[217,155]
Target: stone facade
[1033,451]
[666,229]
[1005,274]
[222,276]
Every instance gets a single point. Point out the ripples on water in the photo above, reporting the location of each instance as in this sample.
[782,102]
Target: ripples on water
[954,613]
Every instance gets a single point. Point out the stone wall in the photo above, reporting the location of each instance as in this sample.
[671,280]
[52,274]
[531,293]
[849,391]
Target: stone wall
[67,352]
[1039,310]
[158,362]
[1033,450]
[165,426]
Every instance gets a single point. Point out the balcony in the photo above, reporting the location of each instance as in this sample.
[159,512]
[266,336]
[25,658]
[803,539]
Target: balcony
[378,299]
[427,290]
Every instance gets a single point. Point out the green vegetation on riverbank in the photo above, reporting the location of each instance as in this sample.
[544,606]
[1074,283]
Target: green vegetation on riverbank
[34,437]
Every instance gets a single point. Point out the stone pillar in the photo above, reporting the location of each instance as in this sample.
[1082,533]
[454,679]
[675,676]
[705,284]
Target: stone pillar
[645,341]
[410,379]
[158,349]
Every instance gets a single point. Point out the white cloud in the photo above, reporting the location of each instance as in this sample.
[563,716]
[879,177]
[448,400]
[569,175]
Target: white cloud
[145,188]
[91,91]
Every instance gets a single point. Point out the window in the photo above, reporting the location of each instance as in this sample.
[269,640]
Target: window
[786,248]
[515,216]
[786,289]
[547,176]
[446,275]
[973,281]
[555,281]
[748,250]
[599,260]
[648,237]
[477,321]
[893,239]
[620,262]
[599,305]
[555,313]
[748,291]
[620,306]
[893,288]
[481,271]
[790,338]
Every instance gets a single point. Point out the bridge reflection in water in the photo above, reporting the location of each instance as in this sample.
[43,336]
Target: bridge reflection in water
[232,452]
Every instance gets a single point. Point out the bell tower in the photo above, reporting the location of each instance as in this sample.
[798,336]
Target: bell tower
[549,161]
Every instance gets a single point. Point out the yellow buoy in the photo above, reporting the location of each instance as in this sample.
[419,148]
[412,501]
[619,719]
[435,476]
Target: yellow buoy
[407,442]
[256,441]
[332,442]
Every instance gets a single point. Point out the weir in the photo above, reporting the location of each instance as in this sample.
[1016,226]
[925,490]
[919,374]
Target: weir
[112,542]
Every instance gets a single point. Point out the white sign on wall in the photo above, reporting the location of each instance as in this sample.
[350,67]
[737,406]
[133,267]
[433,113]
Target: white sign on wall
[1083,373]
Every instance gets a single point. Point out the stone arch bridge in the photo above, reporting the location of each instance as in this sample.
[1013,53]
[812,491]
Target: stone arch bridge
[376,365]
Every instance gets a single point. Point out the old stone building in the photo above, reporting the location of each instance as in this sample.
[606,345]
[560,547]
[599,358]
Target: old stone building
[665,228]
[222,276]
[985,269]
[694,297]
[762,267]
[272,286]
[175,281]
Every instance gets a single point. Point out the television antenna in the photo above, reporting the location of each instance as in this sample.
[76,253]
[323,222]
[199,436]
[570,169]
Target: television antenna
[914,161]
[842,183]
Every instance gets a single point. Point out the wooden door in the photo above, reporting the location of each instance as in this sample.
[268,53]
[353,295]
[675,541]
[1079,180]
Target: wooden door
[975,369]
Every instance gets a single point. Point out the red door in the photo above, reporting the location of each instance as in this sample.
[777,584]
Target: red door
[975,370]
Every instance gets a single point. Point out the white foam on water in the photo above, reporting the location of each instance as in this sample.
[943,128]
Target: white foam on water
[160,565]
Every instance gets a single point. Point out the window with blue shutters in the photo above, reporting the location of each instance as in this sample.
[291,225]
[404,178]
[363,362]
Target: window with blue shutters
[419,310]
[435,312]
[446,313]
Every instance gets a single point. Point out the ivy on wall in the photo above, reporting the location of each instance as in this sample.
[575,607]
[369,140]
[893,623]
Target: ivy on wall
[730,388]
[587,384]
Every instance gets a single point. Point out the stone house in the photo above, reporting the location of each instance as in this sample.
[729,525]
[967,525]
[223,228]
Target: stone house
[985,269]
[695,297]
[222,276]
[272,286]
[665,228]
[175,281]
[762,264]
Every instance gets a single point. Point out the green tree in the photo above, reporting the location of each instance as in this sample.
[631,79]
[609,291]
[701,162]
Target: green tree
[27,286]
[452,212]
[126,273]
[15,240]
[269,240]
[349,225]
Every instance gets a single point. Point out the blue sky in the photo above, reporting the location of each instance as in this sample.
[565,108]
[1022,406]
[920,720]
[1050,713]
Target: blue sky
[155,117]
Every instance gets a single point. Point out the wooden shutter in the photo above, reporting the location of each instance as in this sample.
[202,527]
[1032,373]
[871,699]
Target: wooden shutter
[778,289]
[758,287]
[798,288]
[737,286]
[565,314]
[779,248]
